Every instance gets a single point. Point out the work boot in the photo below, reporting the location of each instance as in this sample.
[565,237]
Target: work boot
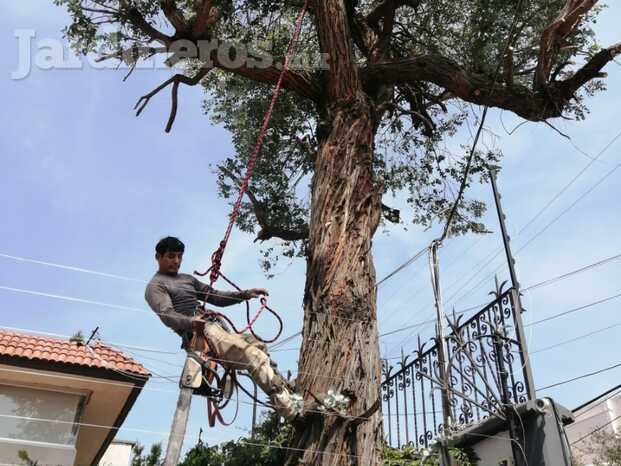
[287,404]
[282,396]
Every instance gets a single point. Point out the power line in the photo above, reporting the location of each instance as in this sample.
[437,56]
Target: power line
[596,430]
[73,299]
[580,337]
[425,322]
[411,260]
[118,345]
[580,377]
[541,284]
[555,316]
[573,272]
[554,220]
[166,434]
[128,308]
[571,182]
[603,400]
[571,206]
[58,335]
[575,309]
[299,333]
[71,268]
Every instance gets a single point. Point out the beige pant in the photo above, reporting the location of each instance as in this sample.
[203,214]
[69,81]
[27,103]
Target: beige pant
[244,352]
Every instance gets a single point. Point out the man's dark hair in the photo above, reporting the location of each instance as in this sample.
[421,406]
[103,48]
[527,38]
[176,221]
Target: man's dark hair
[169,244]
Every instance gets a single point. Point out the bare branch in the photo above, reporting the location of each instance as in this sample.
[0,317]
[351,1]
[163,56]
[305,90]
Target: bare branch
[260,210]
[175,81]
[134,52]
[554,35]
[592,69]
[136,18]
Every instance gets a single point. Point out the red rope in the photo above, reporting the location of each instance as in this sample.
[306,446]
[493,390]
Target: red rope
[216,258]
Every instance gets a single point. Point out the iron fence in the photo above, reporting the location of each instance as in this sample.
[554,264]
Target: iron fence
[486,369]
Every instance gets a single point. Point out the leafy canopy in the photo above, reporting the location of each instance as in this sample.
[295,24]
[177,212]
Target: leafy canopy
[418,111]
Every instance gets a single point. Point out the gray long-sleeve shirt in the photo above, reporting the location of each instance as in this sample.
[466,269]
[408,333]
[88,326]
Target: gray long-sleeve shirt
[176,299]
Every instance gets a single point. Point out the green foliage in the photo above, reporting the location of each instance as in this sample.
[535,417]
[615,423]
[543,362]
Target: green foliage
[153,458]
[262,450]
[604,448]
[410,456]
[23,456]
[272,432]
[77,338]
[418,158]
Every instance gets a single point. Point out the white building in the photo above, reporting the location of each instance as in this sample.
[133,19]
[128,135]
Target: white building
[62,402]
[601,414]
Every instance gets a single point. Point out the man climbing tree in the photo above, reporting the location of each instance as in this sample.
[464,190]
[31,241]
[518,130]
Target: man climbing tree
[175,298]
[378,87]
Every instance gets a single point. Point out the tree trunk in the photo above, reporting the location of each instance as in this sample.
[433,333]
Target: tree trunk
[340,349]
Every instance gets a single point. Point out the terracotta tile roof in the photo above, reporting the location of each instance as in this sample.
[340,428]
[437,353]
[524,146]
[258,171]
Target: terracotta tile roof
[22,345]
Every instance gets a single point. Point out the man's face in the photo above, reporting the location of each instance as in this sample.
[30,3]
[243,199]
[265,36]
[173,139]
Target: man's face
[169,262]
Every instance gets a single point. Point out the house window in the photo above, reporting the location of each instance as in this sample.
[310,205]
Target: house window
[42,421]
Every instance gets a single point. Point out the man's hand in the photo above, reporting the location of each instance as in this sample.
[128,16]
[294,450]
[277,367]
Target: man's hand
[256,292]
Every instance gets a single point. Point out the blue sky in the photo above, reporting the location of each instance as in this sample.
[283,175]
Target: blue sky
[88,184]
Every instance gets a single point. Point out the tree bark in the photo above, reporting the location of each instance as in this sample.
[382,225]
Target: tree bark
[340,349]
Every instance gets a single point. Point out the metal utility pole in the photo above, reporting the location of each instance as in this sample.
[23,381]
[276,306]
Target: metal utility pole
[442,360]
[441,345]
[517,444]
[179,424]
[521,337]
[517,441]
[254,411]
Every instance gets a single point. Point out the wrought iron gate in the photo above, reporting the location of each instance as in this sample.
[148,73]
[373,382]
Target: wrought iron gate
[487,370]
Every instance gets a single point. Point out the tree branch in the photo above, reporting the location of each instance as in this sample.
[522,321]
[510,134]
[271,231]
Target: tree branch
[206,17]
[592,69]
[174,15]
[480,89]
[390,214]
[302,83]
[554,35]
[136,18]
[175,81]
[380,10]
[363,36]
[334,34]
[260,209]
